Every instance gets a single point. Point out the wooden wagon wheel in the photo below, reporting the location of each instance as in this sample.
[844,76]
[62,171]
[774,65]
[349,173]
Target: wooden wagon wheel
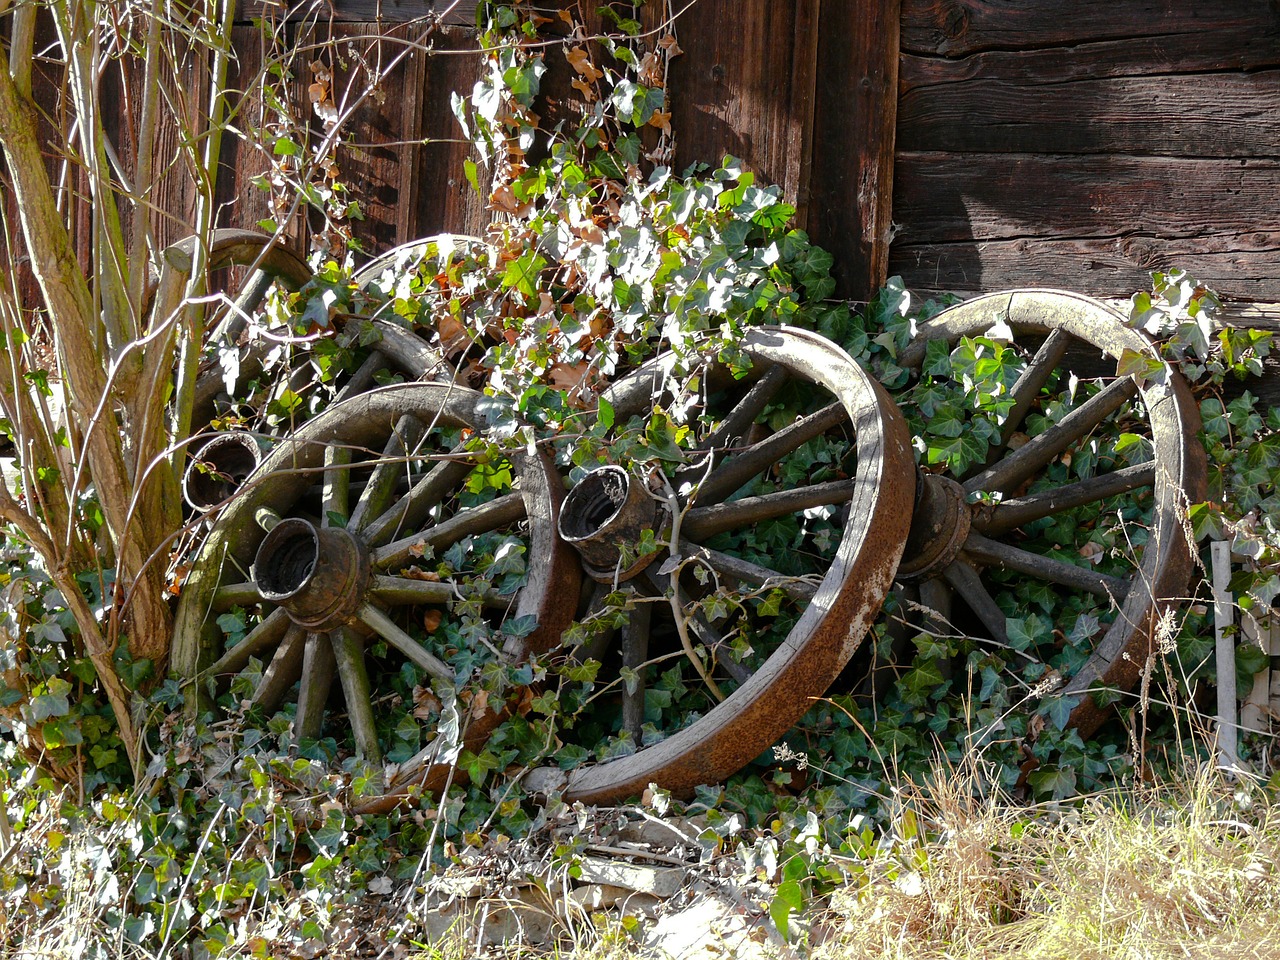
[735,486]
[331,543]
[960,548]
[439,354]
[226,459]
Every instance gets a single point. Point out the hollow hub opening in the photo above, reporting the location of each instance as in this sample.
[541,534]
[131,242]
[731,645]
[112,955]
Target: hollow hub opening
[603,518]
[219,469]
[318,574]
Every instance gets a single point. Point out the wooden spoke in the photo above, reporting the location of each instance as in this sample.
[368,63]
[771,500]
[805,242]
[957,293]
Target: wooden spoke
[1036,453]
[362,379]
[337,484]
[409,591]
[602,638]
[283,671]
[1032,381]
[974,593]
[757,576]
[318,666]
[412,509]
[266,518]
[635,651]
[376,496]
[405,590]
[758,457]
[1015,513]
[236,595]
[738,422]
[1044,568]
[348,654]
[935,597]
[702,522]
[265,635]
[388,630]
[488,516]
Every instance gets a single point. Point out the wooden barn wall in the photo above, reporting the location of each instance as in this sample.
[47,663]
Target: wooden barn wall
[1086,145]
[802,92]
[997,142]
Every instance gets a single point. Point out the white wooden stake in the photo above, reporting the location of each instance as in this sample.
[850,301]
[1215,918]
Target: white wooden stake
[1228,753]
[1253,712]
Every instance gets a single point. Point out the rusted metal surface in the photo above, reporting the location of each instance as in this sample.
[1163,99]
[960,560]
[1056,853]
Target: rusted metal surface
[603,518]
[1178,475]
[842,608]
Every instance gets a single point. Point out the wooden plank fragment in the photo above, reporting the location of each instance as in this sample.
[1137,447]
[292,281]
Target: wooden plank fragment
[381,80]
[458,12]
[1206,115]
[957,28]
[1216,50]
[730,91]
[1103,267]
[445,201]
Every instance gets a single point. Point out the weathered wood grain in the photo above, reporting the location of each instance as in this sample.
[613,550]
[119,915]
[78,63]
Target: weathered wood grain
[957,28]
[730,93]
[851,182]
[1215,50]
[1110,266]
[445,201]
[1205,115]
[461,12]
[946,197]
[379,81]
[245,151]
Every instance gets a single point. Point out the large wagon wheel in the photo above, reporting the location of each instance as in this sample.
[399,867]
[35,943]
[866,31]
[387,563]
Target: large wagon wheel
[330,544]
[965,546]
[736,486]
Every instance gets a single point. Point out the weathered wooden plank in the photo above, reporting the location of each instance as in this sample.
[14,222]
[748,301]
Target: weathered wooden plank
[730,91]
[458,12]
[1207,115]
[379,80]
[246,154]
[851,183]
[445,201]
[1218,49]
[947,197]
[1112,266]
[957,28]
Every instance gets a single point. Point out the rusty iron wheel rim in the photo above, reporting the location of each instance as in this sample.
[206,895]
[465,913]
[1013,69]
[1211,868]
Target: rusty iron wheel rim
[381,426]
[845,604]
[1178,475]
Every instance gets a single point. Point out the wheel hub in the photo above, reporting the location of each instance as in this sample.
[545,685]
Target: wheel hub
[603,518]
[319,575]
[218,470]
[939,527]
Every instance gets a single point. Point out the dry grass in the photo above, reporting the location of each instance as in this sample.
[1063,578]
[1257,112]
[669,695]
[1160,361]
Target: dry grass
[1189,870]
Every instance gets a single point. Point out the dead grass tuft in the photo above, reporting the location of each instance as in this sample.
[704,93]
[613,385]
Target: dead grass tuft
[1191,869]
